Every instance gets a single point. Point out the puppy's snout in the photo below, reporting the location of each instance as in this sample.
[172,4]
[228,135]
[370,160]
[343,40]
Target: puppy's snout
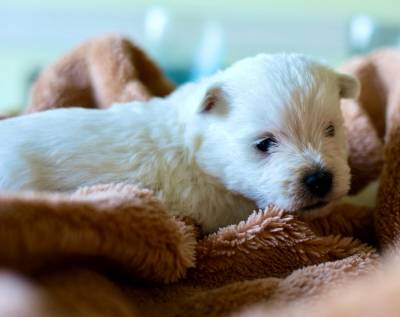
[318,183]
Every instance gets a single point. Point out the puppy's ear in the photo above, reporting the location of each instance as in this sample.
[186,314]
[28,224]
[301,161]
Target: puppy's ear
[214,101]
[349,86]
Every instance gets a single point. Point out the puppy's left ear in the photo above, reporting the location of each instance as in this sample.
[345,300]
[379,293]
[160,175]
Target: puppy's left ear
[349,86]
[214,101]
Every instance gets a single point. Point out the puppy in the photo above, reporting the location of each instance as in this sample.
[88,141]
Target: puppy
[267,130]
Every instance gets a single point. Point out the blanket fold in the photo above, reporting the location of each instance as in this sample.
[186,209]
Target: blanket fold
[98,73]
[116,223]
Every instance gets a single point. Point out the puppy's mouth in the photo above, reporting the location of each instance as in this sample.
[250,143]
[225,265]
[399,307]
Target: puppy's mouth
[317,205]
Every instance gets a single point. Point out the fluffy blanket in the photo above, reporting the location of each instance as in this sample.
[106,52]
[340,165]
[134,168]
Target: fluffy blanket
[113,250]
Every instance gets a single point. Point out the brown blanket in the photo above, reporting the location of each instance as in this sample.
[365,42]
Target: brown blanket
[112,250]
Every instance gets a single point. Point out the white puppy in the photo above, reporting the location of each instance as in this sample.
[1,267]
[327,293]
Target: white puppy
[267,130]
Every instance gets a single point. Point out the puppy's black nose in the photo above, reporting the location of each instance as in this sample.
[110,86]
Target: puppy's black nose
[319,183]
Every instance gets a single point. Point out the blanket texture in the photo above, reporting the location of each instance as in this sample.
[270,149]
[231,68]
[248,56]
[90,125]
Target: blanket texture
[113,250]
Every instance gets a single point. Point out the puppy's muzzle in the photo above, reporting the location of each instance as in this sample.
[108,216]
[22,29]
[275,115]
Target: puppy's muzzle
[318,183]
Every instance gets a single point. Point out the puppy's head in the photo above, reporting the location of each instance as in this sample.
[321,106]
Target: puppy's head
[273,131]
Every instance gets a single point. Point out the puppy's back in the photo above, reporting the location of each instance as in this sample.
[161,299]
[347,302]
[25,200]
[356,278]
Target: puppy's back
[62,149]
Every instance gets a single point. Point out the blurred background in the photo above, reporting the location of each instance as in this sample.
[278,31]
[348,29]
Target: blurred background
[189,39]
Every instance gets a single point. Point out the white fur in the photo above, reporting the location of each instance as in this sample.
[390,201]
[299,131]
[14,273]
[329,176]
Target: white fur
[201,164]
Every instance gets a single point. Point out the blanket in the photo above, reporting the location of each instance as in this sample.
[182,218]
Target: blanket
[113,249]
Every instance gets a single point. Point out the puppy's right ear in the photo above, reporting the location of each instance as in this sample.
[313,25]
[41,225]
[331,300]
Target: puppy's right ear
[214,101]
[349,86]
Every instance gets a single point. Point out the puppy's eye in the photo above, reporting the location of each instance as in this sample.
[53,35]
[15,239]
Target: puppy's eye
[330,130]
[265,144]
